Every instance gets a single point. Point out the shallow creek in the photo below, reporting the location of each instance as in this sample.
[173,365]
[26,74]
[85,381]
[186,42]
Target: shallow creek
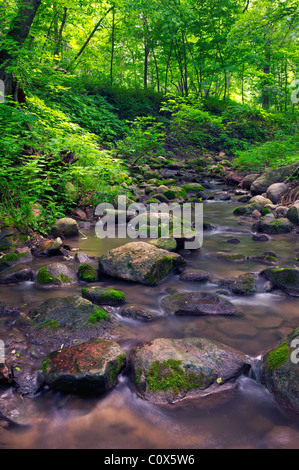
[246,417]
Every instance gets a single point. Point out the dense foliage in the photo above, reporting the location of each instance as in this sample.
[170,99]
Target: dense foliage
[101,85]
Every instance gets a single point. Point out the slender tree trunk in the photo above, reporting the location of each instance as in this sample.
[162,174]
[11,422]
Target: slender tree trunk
[145,69]
[112,46]
[18,33]
[59,36]
[265,84]
[185,77]
[92,33]
[167,66]
[157,70]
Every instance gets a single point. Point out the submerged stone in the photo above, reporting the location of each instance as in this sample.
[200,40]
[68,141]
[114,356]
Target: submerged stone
[198,303]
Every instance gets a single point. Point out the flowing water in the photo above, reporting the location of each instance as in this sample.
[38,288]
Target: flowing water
[246,417]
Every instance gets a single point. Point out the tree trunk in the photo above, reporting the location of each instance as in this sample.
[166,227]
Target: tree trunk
[112,46]
[18,33]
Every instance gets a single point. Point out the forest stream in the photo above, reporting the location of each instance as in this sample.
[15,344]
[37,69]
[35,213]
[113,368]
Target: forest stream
[244,417]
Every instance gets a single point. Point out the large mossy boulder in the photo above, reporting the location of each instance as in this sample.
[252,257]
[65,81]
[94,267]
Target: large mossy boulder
[278,371]
[269,177]
[72,313]
[198,303]
[65,227]
[286,279]
[90,367]
[55,275]
[139,262]
[169,370]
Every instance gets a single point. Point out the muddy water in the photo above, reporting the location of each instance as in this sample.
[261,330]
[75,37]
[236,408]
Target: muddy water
[245,417]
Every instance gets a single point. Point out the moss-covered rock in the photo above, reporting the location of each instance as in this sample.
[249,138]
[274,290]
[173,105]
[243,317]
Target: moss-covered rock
[12,259]
[293,214]
[90,367]
[103,295]
[55,275]
[247,209]
[273,226]
[278,371]
[286,279]
[87,273]
[65,314]
[169,370]
[245,284]
[65,227]
[139,262]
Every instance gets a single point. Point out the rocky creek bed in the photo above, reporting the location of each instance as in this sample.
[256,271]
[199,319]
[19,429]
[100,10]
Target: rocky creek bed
[121,343]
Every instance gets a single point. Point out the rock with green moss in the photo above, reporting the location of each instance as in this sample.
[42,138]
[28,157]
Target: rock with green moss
[175,192]
[273,226]
[67,314]
[247,209]
[197,303]
[193,187]
[286,279]
[139,262]
[103,295]
[165,243]
[278,371]
[245,284]
[87,273]
[169,370]
[293,214]
[55,275]
[12,259]
[269,177]
[90,367]
[65,227]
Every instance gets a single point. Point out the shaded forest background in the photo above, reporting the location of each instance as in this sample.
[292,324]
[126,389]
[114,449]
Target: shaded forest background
[92,88]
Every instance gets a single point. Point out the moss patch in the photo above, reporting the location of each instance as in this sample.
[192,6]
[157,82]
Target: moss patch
[170,376]
[98,315]
[277,357]
[159,270]
[87,273]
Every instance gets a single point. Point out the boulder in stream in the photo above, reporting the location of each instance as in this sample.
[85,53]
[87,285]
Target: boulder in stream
[278,371]
[139,262]
[198,303]
[90,367]
[286,279]
[245,284]
[169,370]
[55,275]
